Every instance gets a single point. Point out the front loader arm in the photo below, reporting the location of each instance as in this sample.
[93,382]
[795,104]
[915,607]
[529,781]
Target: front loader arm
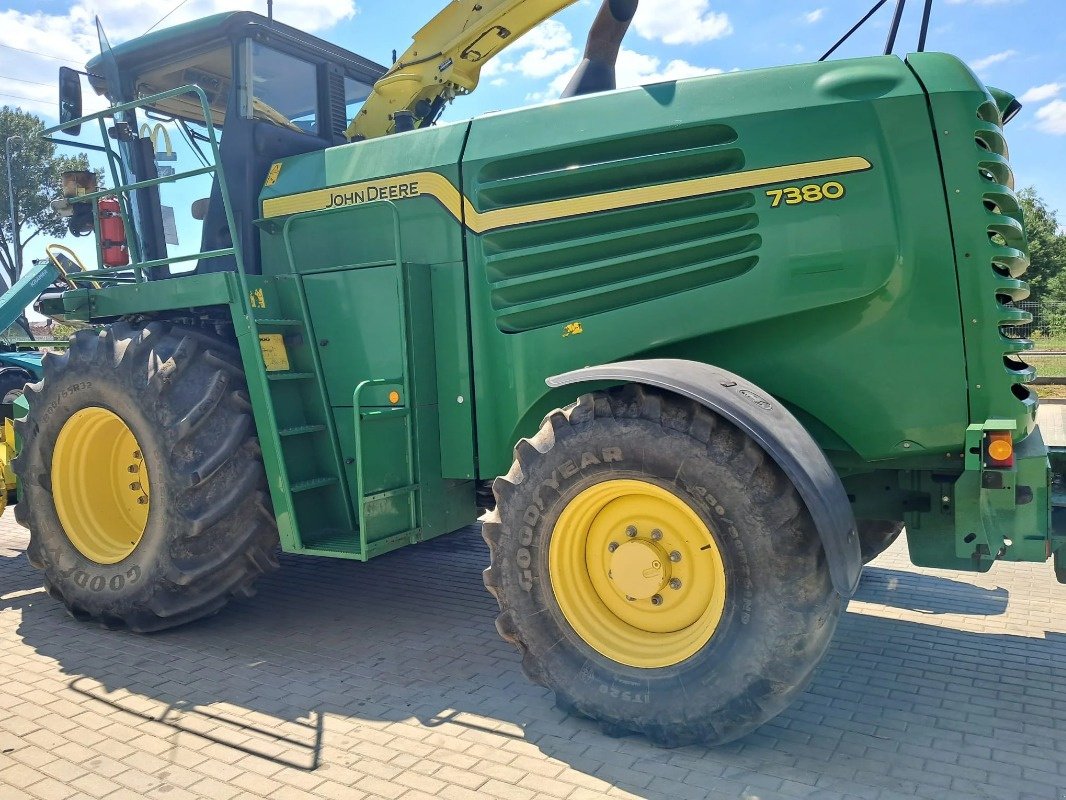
[445,60]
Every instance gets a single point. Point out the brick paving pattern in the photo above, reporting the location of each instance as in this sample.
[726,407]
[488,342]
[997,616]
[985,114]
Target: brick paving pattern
[387,680]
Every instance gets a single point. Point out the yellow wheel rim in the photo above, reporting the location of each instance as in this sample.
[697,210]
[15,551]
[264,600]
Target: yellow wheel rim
[637,573]
[100,485]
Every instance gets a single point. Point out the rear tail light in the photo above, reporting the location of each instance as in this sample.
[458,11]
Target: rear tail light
[999,449]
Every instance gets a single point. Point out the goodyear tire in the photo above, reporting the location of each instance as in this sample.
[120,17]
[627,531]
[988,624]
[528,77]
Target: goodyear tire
[610,490]
[141,479]
[876,536]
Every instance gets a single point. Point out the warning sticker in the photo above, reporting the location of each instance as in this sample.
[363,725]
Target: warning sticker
[275,357]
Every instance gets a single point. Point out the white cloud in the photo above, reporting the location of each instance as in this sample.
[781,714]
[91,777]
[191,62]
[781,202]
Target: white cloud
[1040,93]
[635,69]
[1052,118]
[70,38]
[812,17]
[995,58]
[681,21]
[545,51]
[632,69]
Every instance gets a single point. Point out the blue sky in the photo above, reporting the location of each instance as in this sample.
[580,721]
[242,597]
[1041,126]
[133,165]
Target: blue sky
[1018,45]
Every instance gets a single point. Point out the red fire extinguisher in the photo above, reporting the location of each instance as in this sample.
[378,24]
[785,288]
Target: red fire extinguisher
[112,233]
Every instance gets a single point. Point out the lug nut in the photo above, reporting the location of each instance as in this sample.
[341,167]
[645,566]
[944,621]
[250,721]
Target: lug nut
[142,500]
[134,468]
[136,485]
[631,531]
[656,534]
[612,546]
[657,600]
[675,583]
[675,556]
[136,453]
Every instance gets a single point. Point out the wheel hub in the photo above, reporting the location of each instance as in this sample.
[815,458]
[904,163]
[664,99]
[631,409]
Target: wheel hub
[638,569]
[100,485]
[637,573]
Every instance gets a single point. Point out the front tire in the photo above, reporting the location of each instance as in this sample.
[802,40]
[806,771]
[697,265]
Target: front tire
[141,479]
[709,638]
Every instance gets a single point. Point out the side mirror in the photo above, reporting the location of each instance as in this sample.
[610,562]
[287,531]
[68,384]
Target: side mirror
[69,99]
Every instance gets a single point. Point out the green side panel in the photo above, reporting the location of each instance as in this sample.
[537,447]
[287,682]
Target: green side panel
[357,322]
[370,274]
[361,235]
[846,309]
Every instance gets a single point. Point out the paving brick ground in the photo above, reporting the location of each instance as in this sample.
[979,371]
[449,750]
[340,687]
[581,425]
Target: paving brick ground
[388,680]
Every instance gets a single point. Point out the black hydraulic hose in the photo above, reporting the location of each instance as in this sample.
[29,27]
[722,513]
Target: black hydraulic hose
[893,29]
[925,25]
[854,28]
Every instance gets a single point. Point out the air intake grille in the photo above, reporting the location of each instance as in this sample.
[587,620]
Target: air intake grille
[1006,236]
[563,269]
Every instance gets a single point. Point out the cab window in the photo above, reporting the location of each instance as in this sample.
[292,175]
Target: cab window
[355,93]
[279,88]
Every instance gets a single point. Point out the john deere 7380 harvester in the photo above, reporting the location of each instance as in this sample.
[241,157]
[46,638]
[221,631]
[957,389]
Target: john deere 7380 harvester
[723,318]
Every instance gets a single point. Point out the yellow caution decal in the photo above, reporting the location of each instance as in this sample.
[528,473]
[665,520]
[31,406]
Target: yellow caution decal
[275,356]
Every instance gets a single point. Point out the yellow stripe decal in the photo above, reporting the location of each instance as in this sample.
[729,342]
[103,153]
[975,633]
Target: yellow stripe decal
[419,184]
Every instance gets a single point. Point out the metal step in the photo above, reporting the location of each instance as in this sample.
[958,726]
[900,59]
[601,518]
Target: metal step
[385,412]
[301,430]
[397,492]
[313,483]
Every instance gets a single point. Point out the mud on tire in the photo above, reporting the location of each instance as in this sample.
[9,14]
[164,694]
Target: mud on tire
[780,608]
[210,531]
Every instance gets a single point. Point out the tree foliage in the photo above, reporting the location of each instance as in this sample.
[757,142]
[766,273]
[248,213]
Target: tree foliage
[38,173]
[1047,248]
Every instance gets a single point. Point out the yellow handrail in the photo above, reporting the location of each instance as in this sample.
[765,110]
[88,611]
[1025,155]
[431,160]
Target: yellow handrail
[70,254]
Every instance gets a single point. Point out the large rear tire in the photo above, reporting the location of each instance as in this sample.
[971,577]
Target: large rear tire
[141,479]
[657,570]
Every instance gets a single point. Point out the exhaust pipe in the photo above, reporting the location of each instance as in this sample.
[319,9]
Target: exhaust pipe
[596,72]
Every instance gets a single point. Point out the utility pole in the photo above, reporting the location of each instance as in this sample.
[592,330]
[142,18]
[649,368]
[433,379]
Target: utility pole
[14,206]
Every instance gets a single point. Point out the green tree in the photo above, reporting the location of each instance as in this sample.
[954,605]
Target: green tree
[1047,248]
[38,173]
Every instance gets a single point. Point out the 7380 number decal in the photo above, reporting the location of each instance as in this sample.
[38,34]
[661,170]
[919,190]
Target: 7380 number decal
[811,193]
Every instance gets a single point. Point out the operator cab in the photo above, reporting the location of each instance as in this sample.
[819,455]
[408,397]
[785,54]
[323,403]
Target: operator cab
[273,92]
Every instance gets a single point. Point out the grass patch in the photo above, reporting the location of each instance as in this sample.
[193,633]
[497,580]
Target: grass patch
[1047,366]
[1048,342]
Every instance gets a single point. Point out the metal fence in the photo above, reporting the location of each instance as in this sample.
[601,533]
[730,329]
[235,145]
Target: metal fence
[1049,322]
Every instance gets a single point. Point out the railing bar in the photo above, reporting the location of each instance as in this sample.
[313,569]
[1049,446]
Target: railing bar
[132,187]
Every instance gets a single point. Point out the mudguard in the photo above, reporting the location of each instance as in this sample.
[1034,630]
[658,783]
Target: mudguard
[770,424]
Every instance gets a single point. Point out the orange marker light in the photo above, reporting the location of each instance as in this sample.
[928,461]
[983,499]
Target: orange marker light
[394,397]
[999,448]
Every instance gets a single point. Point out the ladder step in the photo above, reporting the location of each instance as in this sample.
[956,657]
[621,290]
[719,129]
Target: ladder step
[279,322]
[313,483]
[397,492]
[289,376]
[300,430]
[385,412]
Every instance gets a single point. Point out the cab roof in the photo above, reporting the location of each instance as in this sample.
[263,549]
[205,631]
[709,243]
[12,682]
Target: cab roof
[163,44]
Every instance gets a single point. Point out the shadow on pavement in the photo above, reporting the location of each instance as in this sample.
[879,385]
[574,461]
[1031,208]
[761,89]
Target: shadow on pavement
[929,593]
[295,675]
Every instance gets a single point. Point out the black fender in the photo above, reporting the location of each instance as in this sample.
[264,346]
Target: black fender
[770,424]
